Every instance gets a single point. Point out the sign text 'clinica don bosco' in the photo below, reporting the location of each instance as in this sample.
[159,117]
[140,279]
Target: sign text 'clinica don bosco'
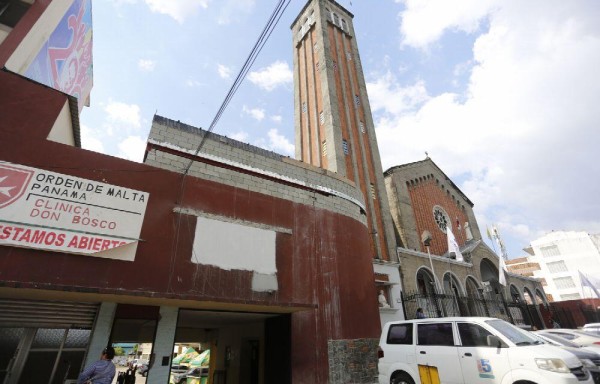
[48,210]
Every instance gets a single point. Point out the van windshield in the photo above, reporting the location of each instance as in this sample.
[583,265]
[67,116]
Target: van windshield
[514,334]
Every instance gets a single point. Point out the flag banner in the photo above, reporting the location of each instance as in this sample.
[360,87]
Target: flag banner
[489,235]
[453,245]
[586,282]
[502,269]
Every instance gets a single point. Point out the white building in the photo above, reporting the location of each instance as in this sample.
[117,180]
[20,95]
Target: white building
[561,257]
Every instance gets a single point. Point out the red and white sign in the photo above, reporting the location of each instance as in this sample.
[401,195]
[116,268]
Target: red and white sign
[53,211]
[18,179]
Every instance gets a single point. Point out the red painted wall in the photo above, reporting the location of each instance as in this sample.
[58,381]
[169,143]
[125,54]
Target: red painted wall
[323,264]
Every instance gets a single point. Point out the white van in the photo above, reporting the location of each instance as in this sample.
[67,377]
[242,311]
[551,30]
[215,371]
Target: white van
[471,350]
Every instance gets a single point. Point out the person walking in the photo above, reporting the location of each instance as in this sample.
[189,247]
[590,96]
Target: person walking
[100,372]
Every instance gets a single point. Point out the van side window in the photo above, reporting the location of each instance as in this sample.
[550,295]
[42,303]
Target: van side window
[473,335]
[400,334]
[435,334]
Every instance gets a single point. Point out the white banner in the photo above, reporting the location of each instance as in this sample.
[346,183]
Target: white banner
[52,211]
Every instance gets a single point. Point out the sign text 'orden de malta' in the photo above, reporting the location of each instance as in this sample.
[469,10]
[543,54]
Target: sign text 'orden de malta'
[47,210]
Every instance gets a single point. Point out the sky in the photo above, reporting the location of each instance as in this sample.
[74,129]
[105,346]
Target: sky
[503,95]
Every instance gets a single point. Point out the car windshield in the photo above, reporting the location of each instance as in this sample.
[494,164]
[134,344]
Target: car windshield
[560,340]
[546,340]
[512,333]
[584,332]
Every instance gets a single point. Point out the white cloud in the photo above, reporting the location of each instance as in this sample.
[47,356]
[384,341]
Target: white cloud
[90,141]
[231,10]
[224,71]
[123,113]
[424,22]
[276,74]
[255,113]
[146,65]
[523,138]
[177,9]
[276,118]
[120,3]
[240,136]
[386,94]
[132,148]
[276,142]
[280,143]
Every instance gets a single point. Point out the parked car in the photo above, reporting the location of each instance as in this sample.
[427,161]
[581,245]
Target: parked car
[179,368]
[592,348]
[143,370]
[590,360]
[182,378]
[472,350]
[593,328]
[136,363]
[577,336]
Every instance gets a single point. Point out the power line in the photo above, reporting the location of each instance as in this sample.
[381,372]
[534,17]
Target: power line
[258,46]
[262,39]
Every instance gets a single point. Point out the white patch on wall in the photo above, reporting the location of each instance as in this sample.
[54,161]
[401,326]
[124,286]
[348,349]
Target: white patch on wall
[234,246]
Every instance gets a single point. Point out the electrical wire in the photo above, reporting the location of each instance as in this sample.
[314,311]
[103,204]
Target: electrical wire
[250,59]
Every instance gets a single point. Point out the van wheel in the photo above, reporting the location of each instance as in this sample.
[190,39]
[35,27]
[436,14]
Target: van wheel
[402,378]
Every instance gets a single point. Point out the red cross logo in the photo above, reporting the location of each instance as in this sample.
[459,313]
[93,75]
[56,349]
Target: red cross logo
[13,183]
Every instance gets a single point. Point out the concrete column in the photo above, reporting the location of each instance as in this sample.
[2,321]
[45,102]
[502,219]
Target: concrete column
[101,332]
[162,349]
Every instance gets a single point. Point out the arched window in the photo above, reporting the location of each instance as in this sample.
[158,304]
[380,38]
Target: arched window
[515,294]
[452,285]
[425,281]
[540,298]
[473,288]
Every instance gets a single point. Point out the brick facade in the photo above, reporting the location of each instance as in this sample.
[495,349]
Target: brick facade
[414,189]
[425,194]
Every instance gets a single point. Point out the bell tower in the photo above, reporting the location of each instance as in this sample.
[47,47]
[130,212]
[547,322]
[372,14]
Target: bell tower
[332,116]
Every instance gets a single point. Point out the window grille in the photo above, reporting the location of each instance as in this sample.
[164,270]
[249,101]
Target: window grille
[345,147]
[564,282]
[571,296]
[324,148]
[321,118]
[550,250]
[557,266]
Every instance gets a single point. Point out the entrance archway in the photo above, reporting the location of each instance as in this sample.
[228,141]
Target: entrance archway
[425,281]
[515,294]
[451,285]
[473,288]
[493,290]
[528,296]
